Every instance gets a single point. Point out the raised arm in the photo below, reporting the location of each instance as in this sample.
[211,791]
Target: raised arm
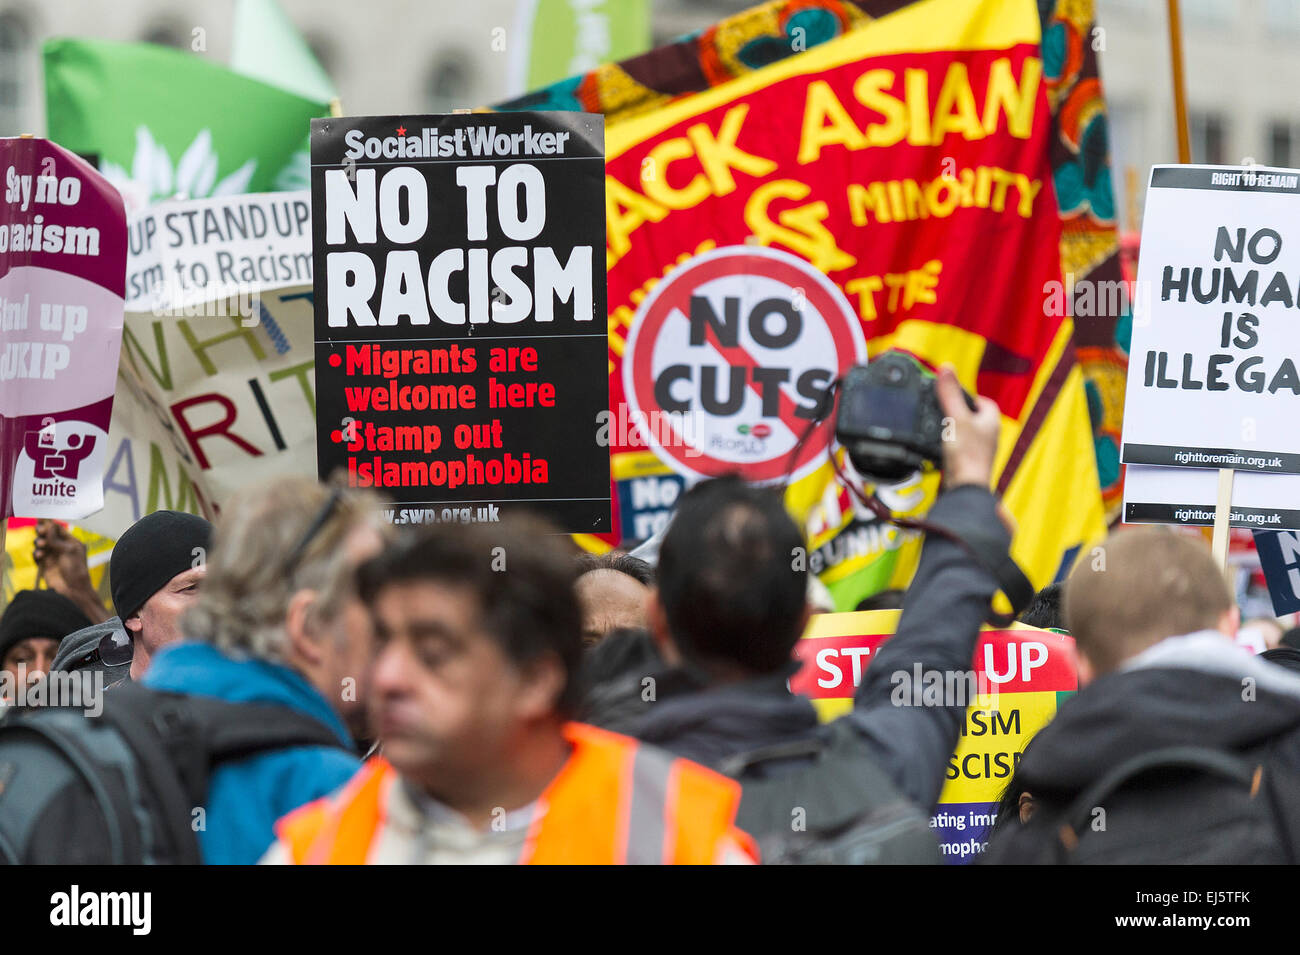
[942,611]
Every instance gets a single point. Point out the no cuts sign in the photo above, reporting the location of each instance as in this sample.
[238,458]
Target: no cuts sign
[732,353]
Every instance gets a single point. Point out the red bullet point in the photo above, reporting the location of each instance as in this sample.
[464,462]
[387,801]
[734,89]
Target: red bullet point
[335,360]
[336,436]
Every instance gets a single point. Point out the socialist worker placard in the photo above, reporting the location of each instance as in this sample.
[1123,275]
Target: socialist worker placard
[460,310]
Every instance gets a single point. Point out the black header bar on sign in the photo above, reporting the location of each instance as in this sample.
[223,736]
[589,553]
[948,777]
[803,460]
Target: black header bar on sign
[1180,456]
[459,137]
[1226,179]
[1202,515]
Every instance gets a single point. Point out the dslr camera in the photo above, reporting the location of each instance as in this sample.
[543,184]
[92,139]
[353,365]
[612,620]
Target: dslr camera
[889,419]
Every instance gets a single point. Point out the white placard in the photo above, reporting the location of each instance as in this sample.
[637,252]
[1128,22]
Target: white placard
[1158,495]
[1213,380]
[188,252]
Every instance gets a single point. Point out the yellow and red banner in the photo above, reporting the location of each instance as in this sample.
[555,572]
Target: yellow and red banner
[19,570]
[1017,679]
[906,163]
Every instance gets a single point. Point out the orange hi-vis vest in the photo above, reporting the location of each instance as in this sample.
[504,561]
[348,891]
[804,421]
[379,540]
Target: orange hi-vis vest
[614,801]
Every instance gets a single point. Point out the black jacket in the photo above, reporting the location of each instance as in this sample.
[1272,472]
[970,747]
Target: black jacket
[1196,691]
[942,613]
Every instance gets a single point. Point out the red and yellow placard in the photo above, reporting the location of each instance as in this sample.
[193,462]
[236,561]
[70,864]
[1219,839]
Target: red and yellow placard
[1017,678]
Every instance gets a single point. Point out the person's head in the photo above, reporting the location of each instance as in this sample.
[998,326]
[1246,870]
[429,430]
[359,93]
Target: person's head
[1268,629]
[1142,586]
[479,643]
[154,575]
[31,627]
[613,590]
[281,586]
[882,600]
[1044,611]
[732,589]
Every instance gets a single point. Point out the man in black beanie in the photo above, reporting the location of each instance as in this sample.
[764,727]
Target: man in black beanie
[154,575]
[30,630]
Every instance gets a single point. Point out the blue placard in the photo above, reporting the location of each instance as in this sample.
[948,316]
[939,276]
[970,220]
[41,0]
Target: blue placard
[1279,555]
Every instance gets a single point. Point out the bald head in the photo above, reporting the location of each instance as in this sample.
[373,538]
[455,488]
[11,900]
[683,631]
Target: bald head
[610,599]
[1140,587]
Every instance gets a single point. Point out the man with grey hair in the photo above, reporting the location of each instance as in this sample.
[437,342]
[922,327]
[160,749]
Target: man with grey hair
[278,622]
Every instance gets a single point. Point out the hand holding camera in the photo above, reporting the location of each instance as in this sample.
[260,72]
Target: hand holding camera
[895,418]
[972,444]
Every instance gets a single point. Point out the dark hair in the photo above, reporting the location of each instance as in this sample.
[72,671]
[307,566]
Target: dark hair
[624,650]
[1291,638]
[884,600]
[1288,657]
[1044,611]
[520,573]
[634,567]
[731,578]
[1006,811]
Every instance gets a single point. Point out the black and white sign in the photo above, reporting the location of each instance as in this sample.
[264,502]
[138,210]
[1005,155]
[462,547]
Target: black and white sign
[461,348]
[1156,495]
[1213,379]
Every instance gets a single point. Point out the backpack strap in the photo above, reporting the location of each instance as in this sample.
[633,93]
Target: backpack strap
[736,765]
[109,800]
[162,747]
[849,781]
[233,731]
[1209,761]
[1278,801]
[197,733]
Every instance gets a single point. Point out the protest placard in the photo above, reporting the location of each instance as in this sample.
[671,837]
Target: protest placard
[1279,557]
[1160,495]
[1017,679]
[730,357]
[1214,382]
[460,303]
[184,253]
[62,263]
[215,390]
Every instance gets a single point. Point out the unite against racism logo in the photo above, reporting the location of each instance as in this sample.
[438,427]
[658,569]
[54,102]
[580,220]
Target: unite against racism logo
[740,343]
[53,460]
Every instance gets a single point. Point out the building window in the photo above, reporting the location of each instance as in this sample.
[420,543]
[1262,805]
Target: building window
[1282,15]
[1207,12]
[1209,140]
[325,52]
[166,33]
[1129,7]
[1125,126]
[1279,144]
[450,84]
[15,50]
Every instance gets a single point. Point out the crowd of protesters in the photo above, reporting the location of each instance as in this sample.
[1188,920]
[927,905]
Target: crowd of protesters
[479,694]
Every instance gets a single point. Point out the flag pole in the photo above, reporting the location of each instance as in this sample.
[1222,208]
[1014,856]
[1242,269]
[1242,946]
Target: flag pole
[1180,90]
[4,561]
[1223,500]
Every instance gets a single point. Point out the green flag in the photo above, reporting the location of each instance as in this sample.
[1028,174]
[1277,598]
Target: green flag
[164,122]
[557,39]
[268,48]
